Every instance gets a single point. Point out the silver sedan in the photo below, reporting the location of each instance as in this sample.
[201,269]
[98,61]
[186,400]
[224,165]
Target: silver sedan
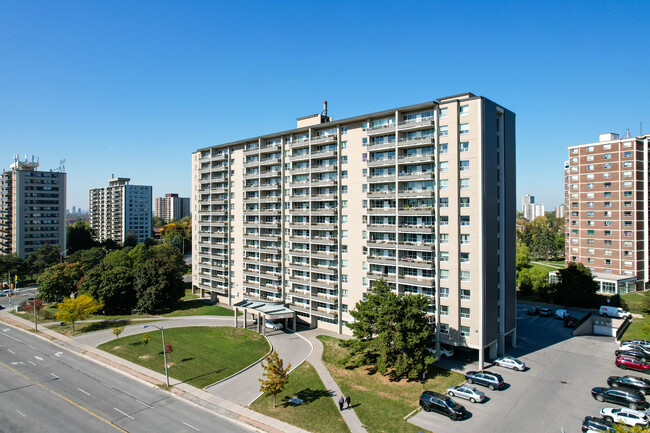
[467,392]
[510,362]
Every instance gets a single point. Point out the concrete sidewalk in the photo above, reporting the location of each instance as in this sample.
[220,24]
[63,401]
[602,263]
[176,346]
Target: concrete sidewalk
[216,404]
[316,359]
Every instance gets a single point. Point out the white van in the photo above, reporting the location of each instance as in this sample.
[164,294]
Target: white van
[561,314]
[607,311]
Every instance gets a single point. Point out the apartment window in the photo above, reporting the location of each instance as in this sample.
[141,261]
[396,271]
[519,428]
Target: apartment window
[444,329]
[590,232]
[443,202]
[443,166]
[464,202]
[464,331]
[464,257]
[444,275]
[627,193]
[444,131]
[464,128]
[590,204]
[574,151]
[464,239]
[344,234]
[463,146]
[590,148]
[627,154]
[443,220]
[590,250]
[627,204]
[575,177]
[574,160]
[344,264]
[464,220]
[444,238]
[444,292]
[344,159]
[444,310]
[590,167]
[590,195]
[607,156]
[444,256]
[589,223]
[607,213]
[464,294]
[607,184]
[627,164]
[607,175]
[443,113]
[344,278]
[590,186]
[344,130]
[344,173]
[464,183]
[627,223]
[608,204]
[590,158]
[464,110]
[627,234]
[464,165]
[607,232]
[464,275]
[444,184]
[627,174]
[627,184]
[607,195]
[607,146]
[464,313]
[443,148]
[589,177]
[608,262]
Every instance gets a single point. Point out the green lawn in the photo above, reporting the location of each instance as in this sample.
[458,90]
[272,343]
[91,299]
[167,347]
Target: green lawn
[546,268]
[201,355]
[189,295]
[317,413]
[380,403]
[635,301]
[199,307]
[635,331]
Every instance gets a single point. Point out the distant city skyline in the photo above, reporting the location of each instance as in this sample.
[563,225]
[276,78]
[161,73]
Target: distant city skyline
[134,88]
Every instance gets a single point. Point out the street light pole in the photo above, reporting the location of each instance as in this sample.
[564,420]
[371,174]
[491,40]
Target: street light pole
[35,313]
[162,331]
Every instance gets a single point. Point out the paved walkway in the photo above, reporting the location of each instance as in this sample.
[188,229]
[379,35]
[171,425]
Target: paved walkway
[316,359]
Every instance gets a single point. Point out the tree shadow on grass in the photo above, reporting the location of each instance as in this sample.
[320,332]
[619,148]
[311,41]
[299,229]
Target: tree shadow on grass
[307,396]
[104,324]
[203,375]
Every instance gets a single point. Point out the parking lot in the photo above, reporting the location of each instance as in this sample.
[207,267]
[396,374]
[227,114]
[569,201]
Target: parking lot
[554,392]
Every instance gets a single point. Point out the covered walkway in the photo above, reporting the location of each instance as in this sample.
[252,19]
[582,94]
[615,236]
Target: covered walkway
[264,311]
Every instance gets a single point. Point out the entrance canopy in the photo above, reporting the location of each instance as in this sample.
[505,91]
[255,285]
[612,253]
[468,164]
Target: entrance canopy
[264,311]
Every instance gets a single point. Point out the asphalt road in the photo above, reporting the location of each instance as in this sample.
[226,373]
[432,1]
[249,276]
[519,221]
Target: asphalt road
[46,388]
[22,294]
[553,394]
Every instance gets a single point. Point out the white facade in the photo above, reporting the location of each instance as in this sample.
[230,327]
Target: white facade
[172,207]
[119,209]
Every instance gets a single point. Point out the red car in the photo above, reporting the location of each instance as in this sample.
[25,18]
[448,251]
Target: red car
[570,322]
[626,362]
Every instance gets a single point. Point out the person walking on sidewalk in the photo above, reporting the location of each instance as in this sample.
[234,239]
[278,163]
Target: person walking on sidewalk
[341,401]
[347,401]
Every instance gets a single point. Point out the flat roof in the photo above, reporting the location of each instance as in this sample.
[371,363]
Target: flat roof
[267,308]
[616,140]
[334,123]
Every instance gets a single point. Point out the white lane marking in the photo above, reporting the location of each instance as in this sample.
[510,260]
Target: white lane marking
[38,357]
[148,405]
[31,362]
[58,354]
[84,392]
[20,413]
[18,363]
[55,375]
[13,338]
[11,351]
[191,426]
[32,347]
[125,414]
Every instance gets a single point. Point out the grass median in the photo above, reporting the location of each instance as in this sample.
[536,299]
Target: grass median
[317,412]
[201,355]
[382,404]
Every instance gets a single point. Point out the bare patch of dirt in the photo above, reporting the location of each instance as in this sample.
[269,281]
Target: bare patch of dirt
[144,357]
[117,347]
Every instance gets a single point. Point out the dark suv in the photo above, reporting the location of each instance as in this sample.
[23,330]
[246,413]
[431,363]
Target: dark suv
[633,400]
[593,424]
[630,383]
[436,402]
[485,378]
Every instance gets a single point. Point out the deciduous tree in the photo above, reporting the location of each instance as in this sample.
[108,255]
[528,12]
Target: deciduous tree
[111,285]
[576,286]
[79,236]
[73,310]
[59,281]
[275,376]
[117,331]
[43,258]
[391,332]
[158,285]
[12,263]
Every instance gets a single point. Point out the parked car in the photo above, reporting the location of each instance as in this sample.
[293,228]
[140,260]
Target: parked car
[628,362]
[637,347]
[561,313]
[485,378]
[269,324]
[436,402]
[546,312]
[644,343]
[467,392]
[533,311]
[624,416]
[607,311]
[570,322]
[444,351]
[641,356]
[510,362]
[633,400]
[630,383]
[592,424]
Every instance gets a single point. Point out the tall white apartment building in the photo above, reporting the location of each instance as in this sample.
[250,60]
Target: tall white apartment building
[560,211]
[422,196]
[120,208]
[607,188]
[171,206]
[530,209]
[32,208]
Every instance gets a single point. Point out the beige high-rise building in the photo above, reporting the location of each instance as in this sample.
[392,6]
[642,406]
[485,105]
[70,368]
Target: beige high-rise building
[171,206]
[120,209]
[32,208]
[423,196]
[607,222]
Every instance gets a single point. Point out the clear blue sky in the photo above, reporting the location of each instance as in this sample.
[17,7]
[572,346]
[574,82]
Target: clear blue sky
[133,88]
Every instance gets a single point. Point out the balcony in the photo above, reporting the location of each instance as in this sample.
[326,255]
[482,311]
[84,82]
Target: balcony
[389,193]
[270,224]
[415,124]
[413,210]
[251,150]
[323,182]
[269,161]
[299,142]
[325,283]
[268,147]
[423,193]
[270,173]
[381,211]
[323,168]
[415,263]
[324,153]
[382,260]
[324,241]
[416,175]
[413,141]
[415,280]
[423,157]
[270,186]
[380,129]
[324,211]
[421,228]
[380,162]
[381,178]
[324,139]
[299,157]
[382,145]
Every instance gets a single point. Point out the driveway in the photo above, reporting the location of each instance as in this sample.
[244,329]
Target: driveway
[242,388]
[554,392]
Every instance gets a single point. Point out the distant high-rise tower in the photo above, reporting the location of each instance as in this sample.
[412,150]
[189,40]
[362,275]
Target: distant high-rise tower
[32,208]
[120,209]
[171,206]
[530,209]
